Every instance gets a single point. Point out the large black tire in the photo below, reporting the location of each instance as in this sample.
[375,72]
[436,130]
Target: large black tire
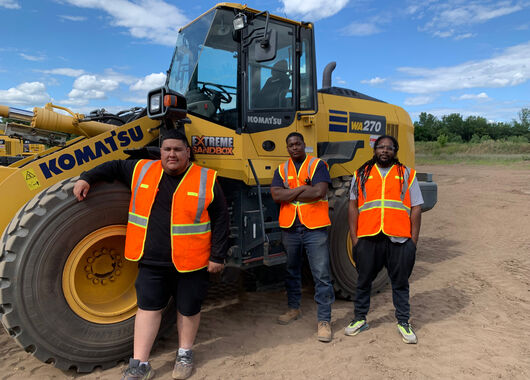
[342,264]
[34,251]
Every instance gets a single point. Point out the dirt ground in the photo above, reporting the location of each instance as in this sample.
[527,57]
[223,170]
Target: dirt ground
[470,299]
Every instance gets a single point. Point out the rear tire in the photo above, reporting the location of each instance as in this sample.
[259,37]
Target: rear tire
[75,315]
[342,263]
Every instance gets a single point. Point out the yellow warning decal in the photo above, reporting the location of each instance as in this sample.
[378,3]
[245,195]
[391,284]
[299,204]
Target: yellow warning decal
[31,179]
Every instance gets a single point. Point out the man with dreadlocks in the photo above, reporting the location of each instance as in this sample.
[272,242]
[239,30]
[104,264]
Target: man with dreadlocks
[384,218]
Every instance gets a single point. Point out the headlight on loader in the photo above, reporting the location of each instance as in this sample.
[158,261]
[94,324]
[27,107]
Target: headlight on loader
[163,103]
[154,104]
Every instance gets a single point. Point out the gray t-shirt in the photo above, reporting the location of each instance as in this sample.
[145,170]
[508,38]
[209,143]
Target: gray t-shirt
[416,199]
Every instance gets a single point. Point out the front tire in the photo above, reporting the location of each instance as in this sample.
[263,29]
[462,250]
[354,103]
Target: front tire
[341,253]
[67,293]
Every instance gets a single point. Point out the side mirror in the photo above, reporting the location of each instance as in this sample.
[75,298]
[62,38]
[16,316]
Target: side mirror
[265,49]
[163,103]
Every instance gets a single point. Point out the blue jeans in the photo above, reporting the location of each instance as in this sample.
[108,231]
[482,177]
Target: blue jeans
[315,243]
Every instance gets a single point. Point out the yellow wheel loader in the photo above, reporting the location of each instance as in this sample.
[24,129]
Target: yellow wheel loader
[14,147]
[239,82]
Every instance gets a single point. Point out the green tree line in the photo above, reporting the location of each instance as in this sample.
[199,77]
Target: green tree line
[454,128]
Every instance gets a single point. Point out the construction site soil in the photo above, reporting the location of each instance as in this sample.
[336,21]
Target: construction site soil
[470,300]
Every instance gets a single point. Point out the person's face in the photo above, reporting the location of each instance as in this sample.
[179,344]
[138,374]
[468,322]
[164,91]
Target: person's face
[296,148]
[175,156]
[384,151]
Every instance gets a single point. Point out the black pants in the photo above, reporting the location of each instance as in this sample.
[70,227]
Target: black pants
[370,255]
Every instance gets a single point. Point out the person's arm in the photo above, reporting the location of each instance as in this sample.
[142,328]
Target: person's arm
[319,186]
[280,194]
[219,223]
[353,216]
[313,193]
[121,170]
[278,191]
[415,223]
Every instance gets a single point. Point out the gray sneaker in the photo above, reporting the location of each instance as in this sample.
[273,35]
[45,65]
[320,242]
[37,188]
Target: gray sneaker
[137,371]
[356,326]
[183,366]
[406,332]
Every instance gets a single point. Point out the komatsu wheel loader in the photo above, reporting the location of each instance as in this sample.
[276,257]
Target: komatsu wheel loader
[239,82]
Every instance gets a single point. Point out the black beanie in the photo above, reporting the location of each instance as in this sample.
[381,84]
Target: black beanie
[173,134]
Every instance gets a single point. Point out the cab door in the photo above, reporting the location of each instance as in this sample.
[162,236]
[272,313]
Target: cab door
[270,106]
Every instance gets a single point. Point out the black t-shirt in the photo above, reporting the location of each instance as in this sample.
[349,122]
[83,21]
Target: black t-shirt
[157,249]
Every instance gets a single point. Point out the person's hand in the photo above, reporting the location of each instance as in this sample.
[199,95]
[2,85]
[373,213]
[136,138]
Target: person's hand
[81,188]
[215,267]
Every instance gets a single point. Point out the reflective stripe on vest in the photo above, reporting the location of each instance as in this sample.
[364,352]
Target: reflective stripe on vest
[202,194]
[190,229]
[379,203]
[141,176]
[140,221]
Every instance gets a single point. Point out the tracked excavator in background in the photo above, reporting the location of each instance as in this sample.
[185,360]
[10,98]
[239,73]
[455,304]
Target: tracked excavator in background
[240,80]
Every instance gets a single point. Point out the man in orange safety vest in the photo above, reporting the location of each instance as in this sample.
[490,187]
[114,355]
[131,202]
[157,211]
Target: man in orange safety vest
[300,185]
[177,231]
[384,218]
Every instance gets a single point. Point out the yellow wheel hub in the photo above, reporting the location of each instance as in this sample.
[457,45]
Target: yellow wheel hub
[98,282]
[349,247]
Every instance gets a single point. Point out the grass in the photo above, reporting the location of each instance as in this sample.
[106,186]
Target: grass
[485,153]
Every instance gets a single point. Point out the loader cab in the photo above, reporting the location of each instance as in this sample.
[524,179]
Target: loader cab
[230,77]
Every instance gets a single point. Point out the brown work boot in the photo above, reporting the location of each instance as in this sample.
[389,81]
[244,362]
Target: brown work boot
[289,316]
[324,331]
[183,366]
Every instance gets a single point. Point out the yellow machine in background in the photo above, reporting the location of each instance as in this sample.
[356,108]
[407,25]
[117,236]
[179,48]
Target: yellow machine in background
[14,149]
[239,82]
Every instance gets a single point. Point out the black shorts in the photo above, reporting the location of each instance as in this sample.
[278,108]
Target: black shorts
[156,284]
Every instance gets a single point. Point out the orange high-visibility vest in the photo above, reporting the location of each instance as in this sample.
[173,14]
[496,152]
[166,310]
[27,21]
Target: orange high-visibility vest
[190,222]
[312,214]
[384,205]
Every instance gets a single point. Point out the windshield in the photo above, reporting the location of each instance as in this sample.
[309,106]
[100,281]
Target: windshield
[204,68]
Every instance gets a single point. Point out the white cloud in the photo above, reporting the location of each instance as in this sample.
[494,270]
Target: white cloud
[153,20]
[419,100]
[33,58]
[374,81]
[360,29]
[510,68]
[149,83]
[340,81]
[66,71]
[72,18]
[92,87]
[312,10]
[481,96]
[464,36]
[448,17]
[27,93]
[9,4]
[136,100]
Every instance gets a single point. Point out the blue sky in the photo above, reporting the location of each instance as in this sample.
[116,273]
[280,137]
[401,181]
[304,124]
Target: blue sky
[441,57]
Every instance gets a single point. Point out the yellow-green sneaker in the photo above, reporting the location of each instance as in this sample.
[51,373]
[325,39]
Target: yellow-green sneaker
[356,326]
[406,332]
